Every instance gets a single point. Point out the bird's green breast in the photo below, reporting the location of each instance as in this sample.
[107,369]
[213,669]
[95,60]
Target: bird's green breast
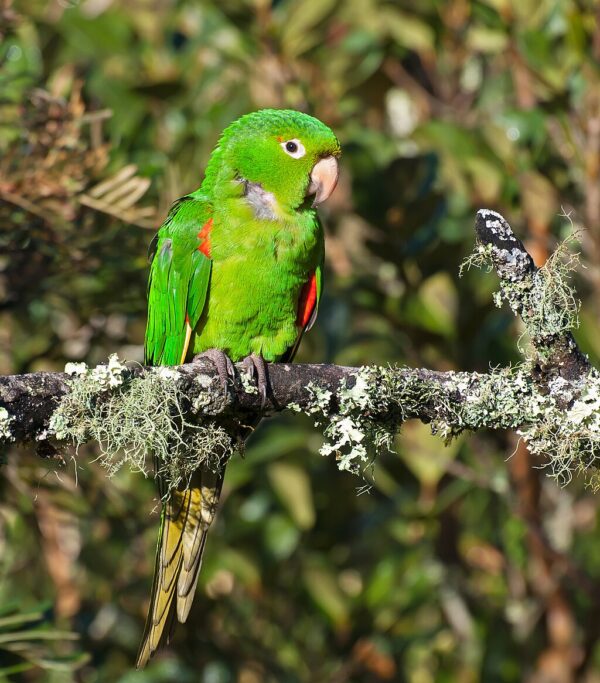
[259,268]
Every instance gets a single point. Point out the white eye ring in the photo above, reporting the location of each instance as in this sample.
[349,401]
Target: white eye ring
[293,148]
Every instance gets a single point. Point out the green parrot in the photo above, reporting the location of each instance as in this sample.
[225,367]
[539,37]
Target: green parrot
[236,275]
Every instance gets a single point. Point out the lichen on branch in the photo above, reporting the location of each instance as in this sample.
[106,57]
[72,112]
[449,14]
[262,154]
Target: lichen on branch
[181,416]
[144,421]
[542,297]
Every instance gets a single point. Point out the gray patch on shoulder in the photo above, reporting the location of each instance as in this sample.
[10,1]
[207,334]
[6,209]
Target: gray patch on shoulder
[263,203]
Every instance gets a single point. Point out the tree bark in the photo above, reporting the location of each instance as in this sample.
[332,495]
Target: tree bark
[450,401]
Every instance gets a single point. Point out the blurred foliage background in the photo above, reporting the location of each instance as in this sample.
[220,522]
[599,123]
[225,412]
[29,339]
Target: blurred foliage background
[462,563]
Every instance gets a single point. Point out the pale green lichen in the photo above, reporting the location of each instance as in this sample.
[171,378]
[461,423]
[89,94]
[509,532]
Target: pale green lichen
[560,421]
[248,385]
[500,398]
[545,300]
[550,306]
[481,257]
[138,419]
[569,439]
[203,399]
[134,418]
[75,369]
[356,430]
[361,421]
[166,373]
[105,376]
[5,420]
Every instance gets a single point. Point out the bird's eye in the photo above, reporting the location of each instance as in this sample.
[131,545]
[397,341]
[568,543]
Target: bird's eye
[293,148]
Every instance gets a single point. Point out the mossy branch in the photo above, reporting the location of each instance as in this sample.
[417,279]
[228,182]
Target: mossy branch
[182,416]
[541,297]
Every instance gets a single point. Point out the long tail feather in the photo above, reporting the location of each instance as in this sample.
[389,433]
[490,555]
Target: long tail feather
[185,520]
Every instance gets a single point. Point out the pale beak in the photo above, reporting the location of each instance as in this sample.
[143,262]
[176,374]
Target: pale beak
[323,179]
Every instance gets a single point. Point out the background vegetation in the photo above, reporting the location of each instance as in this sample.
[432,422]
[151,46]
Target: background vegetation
[462,564]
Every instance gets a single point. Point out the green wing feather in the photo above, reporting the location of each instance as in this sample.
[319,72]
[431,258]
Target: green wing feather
[178,284]
[178,289]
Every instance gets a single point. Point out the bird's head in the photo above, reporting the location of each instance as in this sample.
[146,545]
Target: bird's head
[291,155]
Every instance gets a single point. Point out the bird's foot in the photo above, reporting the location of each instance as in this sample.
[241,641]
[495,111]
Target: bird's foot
[223,364]
[256,368]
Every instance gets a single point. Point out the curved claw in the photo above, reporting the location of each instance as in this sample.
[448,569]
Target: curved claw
[256,368]
[223,364]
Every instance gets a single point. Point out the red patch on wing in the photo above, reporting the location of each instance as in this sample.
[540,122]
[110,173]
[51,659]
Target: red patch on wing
[204,237]
[308,300]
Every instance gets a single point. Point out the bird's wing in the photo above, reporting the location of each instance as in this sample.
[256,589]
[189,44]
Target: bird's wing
[178,291]
[308,308]
[179,281]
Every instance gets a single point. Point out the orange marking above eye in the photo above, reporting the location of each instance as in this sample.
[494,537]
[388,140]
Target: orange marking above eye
[204,237]
[308,299]
[280,138]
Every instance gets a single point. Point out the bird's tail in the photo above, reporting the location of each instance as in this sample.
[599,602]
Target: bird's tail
[185,520]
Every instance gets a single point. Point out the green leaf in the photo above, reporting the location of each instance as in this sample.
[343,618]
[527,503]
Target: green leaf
[323,588]
[297,34]
[35,634]
[435,308]
[292,486]
[381,582]
[486,40]
[281,536]
[16,668]
[18,619]
[408,30]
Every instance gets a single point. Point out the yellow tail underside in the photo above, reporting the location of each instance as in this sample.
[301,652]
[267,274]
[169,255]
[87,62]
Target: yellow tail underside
[186,517]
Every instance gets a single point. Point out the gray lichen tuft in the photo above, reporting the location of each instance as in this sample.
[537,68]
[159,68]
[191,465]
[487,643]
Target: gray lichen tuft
[560,422]
[542,297]
[552,399]
[547,304]
[359,423]
[5,420]
[568,438]
[136,419]
[561,416]
[365,418]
